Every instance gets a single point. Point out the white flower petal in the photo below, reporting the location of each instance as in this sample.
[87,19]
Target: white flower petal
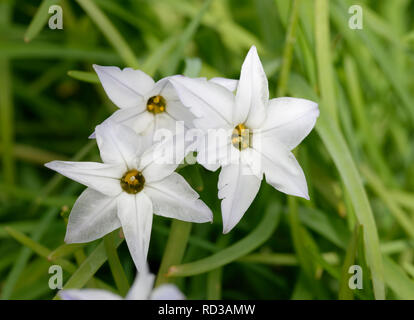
[281,169]
[162,158]
[144,123]
[252,92]
[210,103]
[163,121]
[102,177]
[173,197]
[127,117]
[167,292]
[142,286]
[229,84]
[238,188]
[135,214]
[118,144]
[164,88]
[215,149]
[88,294]
[176,110]
[125,88]
[290,120]
[253,160]
[93,216]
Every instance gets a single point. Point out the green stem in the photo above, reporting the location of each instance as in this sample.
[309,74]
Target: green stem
[39,20]
[44,223]
[288,50]
[110,32]
[324,59]
[6,120]
[214,284]
[174,250]
[253,240]
[118,272]
[345,293]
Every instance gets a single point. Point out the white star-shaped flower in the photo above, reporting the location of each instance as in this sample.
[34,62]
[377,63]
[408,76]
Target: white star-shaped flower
[141,289]
[259,136]
[126,189]
[146,106]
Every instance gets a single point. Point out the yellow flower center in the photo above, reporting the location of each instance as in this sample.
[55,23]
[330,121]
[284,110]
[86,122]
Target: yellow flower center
[156,104]
[132,181]
[241,137]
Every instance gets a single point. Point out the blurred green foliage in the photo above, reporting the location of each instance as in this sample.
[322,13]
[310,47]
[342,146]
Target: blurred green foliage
[358,161]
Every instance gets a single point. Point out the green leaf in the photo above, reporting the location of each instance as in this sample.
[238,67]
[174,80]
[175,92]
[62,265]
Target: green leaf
[117,270]
[110,32]
[376,184]
[84,76]
[257,237]
[65,250]
[288,50]
[89,267]
[6,121]
[345,293]
[214,282]
[174,250]
[329,226]
[305,248]
[338,150]
[39,20]
[38,248]
[185,38]
[397,280]
[336,145]
[324,59]
[276,259]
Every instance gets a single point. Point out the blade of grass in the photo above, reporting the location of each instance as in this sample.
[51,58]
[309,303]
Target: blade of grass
[84,76]
[214,280]
[338,150]
[379,53]
[376,184]
[345,293]
[288,50]
[89,267]
[25,254]
[174,250]
[155,59]
[304,245]
[110,32]
[185,38]
[43,225]
[117,270]
[46,50]
[329,226]
[397,280]
[38,248]
[257,237]
[324,59]
[32,154]
[404,198]
[369,138]
[64,250]
[26,194]
[6,120]
[39,20]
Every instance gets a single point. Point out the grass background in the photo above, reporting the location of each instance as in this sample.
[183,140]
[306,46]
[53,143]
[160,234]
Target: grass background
[358,161]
